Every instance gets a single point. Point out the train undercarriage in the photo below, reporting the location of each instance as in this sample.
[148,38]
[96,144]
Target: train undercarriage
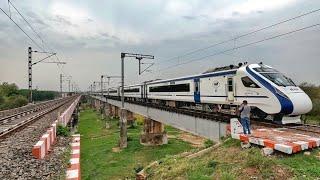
[227,109]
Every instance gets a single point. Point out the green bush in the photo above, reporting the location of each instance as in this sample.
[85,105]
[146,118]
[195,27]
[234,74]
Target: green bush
[63,131]
[129,138]
[208,143]
[12,97]
[134,125]
[314,93]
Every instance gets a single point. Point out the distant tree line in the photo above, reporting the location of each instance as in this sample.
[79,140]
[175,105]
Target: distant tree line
[11,96]
[314,93]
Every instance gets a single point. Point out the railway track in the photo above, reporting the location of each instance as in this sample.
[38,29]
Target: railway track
[16,160]
[294,126]
[15,121]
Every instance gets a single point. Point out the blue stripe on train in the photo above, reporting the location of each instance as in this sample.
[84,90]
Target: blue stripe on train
[286,104]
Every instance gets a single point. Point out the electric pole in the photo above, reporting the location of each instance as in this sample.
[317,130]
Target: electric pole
[72,87]
[30,73]
[123,120]
[30,65]
[61,85]
[101,85]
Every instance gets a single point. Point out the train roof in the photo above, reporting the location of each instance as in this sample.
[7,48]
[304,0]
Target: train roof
[217,72]
[224,68]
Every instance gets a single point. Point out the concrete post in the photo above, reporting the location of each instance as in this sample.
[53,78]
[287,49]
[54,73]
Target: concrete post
[153,133]
[123,129]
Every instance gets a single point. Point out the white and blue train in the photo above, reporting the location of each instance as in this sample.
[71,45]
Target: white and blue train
[271,94]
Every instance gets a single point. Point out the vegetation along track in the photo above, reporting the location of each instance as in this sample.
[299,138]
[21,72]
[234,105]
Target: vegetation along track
[22,110]
[21,118]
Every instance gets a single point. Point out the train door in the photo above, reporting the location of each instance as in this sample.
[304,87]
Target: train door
[196,92]
[145,92]
[230,88]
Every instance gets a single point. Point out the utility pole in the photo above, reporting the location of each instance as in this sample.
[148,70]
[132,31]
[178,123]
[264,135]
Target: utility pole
[123,120]
[69,85]
[30,65]
[72,87]
[61,85]
[108,77]
[30,73]
[101,85]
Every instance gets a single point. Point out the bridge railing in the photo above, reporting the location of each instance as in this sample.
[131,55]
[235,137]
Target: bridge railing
[65,117]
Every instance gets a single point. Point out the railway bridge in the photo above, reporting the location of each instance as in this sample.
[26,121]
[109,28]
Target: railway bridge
[203,124]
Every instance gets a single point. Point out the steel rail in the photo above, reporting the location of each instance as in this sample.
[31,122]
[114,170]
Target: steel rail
[4,133]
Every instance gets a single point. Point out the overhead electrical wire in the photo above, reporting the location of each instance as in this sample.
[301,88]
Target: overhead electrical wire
[241,46]
[37,34]
[241,36]
[23,30]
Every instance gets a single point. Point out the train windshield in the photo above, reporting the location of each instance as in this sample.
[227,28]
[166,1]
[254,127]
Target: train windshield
[275,76]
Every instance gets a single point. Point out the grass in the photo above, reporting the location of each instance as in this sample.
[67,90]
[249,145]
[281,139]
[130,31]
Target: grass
[229,161]
[226,162]
[303,166]
[313,119]
[98,161]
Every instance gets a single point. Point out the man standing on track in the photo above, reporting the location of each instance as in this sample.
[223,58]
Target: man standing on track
[245,117]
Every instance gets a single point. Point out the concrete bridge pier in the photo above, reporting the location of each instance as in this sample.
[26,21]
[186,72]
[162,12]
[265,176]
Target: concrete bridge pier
[153,133]
[106,109]
[111,111]
[116,112]
[130,118]
[98,105]
[91,102]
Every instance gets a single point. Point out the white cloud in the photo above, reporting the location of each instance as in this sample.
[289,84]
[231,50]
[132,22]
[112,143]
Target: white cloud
[77,22]
[250,6]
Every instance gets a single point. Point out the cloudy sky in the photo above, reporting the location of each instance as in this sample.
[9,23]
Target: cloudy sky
[89,36]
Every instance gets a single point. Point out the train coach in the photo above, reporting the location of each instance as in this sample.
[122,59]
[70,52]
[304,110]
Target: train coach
[271,94]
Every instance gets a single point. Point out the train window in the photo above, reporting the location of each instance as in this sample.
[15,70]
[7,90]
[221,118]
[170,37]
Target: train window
[132,90]
[265,69]
[113,91]
[247,82]
[279,79]
[230,84]
[171,88]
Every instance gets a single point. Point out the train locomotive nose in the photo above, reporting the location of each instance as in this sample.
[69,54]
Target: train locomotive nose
[302,104]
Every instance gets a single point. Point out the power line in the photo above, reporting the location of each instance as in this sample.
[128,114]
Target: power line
[26,21]
[241,46]
[243,35]
[38,35]
[22,30]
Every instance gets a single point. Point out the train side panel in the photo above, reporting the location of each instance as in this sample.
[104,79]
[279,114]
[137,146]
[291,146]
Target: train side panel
[172,91]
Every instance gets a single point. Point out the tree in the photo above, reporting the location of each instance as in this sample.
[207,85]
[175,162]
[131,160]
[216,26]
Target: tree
[7,89]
